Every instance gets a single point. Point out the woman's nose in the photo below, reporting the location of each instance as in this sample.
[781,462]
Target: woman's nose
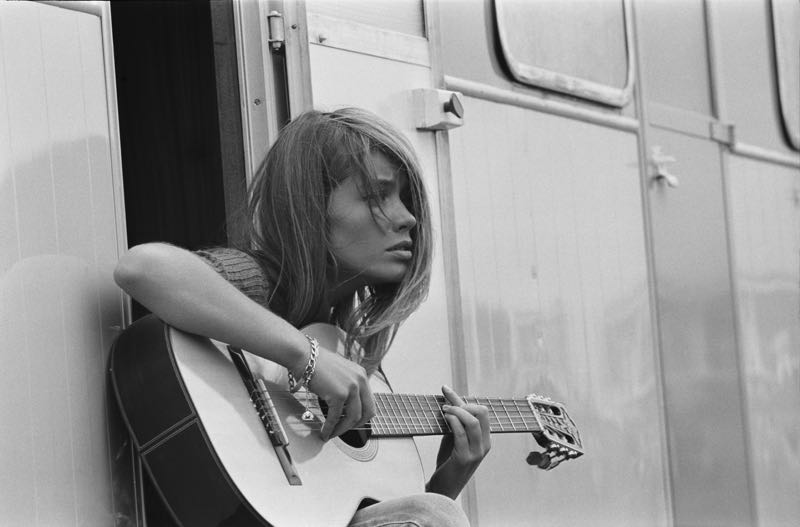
[403,220]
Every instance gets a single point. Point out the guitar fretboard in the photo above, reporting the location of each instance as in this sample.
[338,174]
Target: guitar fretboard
[408,415]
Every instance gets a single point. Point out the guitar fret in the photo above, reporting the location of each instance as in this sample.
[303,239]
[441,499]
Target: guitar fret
[505,409]
[391,414]
[436,414]
[414,419]
[426,426]
[527,408]
[377,422]
[496,417]
[403,410]
[498,424]
[399,412]
[384,413]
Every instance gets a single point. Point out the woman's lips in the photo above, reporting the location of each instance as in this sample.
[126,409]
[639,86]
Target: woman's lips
[402,250]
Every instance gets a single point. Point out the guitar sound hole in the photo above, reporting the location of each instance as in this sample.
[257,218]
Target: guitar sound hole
[354,438]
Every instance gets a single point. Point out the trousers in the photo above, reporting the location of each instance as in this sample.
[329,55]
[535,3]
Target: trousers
[418,510]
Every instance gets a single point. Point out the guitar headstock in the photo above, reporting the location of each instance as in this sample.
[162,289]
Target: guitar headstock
[558,434]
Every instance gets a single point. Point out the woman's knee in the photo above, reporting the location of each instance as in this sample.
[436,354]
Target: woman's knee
[435,510]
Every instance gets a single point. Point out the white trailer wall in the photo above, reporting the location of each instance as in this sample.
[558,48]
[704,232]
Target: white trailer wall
[61,232]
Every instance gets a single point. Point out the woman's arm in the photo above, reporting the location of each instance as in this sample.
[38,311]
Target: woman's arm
[185,292]
[462,451]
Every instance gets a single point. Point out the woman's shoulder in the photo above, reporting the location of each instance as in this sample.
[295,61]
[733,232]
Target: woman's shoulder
[240,269]
[228,259]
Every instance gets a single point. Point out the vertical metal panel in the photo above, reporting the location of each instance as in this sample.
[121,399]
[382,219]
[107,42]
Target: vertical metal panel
[704,406]
[420,357]
[260,113]
[764,208]
[675,55]
[555,300]
[58,300]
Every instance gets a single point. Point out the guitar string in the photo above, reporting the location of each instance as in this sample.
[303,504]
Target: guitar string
[426,415]
[521,405]
[522,411]
[385,423]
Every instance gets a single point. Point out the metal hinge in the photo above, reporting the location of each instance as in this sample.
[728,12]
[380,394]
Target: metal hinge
[722,132]
[275,25]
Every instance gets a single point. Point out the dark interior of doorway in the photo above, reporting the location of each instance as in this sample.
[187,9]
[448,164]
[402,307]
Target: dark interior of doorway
[180,131]
[180,126]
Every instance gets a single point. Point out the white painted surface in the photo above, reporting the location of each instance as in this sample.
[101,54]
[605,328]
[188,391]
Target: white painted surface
[555,300]
[58,245]
[399,16]
[764,208]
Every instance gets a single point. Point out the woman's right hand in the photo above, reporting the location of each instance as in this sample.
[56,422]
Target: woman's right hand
[344,386]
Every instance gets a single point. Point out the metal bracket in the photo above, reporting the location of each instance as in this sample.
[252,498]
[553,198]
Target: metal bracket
[722,132]
[437,109]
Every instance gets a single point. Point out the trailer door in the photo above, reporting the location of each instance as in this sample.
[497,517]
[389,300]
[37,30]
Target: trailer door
[62,453]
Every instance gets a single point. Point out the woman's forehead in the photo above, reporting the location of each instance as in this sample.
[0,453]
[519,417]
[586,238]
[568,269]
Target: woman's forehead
[384,169]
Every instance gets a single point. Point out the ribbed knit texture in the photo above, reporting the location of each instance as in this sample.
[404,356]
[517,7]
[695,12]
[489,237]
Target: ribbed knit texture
[241,270]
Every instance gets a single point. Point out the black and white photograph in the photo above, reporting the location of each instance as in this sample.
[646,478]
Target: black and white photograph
[400,263]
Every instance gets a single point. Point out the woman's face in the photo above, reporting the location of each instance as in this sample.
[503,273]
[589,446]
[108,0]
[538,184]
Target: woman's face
[371,235]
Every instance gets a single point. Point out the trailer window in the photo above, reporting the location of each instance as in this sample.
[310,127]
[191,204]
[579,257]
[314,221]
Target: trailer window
[786,35]
[578,47]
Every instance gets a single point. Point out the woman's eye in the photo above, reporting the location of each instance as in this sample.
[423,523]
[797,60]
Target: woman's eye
[377,197]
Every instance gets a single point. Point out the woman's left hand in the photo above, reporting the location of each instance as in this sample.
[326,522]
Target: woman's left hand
[463,450]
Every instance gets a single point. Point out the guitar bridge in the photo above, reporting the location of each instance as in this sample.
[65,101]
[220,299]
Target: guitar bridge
[265,409]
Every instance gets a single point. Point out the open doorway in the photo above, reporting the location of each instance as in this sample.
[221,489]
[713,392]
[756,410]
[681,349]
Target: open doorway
[180,133]
[180,123]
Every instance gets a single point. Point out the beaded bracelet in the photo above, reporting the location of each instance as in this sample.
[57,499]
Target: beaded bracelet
[308,373]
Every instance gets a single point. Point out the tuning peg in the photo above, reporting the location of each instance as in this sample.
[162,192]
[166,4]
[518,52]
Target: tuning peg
[555,462]
[539,459]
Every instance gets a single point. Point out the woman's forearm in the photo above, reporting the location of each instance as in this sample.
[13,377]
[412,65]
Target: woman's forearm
[449,479]
[185,292]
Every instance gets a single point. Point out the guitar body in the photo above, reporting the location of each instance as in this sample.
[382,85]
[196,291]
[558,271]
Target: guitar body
[209,455]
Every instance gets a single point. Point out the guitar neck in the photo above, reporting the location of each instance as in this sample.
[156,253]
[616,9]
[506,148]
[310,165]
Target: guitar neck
[402,415]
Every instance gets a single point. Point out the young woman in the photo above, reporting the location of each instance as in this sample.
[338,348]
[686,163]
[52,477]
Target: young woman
[339,233]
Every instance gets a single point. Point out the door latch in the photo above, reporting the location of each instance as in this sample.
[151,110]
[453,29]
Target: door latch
[660,160]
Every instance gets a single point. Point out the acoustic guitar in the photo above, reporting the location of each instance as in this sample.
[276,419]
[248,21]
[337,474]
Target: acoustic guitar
[226,444]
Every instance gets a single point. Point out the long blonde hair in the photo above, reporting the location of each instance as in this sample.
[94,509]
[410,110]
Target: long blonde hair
[289,225]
